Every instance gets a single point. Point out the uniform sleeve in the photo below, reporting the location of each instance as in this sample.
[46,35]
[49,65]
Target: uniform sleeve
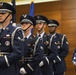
[31,66]
[64,49]
[17,52]
[52,53]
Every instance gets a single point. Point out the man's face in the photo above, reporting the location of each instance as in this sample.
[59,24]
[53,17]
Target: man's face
[40,26]
[26,25]
[4,15]
[52,29]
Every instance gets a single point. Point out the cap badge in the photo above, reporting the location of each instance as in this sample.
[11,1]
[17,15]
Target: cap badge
[24,16]
[1,4]
[50,20]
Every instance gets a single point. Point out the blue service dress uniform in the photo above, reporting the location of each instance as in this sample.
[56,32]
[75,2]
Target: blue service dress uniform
[11,50]
[34,50]
[47,68]
[59,64]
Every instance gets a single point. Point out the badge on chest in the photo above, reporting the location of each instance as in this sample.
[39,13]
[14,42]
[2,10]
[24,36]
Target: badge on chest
[7,40]
[7,43]
[58,44]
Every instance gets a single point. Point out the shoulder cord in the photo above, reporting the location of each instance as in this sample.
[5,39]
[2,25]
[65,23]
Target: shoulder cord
[51,40]
[36,45]
[62,40]
[12,36]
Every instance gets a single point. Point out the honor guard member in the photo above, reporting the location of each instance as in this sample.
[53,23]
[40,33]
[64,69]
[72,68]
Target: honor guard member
[33,50]
[11,41]
[41,23]
[61,42]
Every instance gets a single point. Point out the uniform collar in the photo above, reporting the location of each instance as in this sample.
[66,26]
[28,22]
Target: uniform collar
[41,35]
[28,35]
[53,34]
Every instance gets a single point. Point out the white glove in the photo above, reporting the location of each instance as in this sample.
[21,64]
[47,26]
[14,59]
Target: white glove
[22,71]
[74,63]
[41,63]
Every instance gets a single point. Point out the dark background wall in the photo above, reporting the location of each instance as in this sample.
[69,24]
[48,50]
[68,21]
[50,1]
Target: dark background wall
[65,12]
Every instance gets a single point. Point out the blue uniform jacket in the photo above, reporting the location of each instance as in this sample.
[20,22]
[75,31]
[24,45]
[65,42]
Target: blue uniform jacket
[61,53]
[31,66]
[46,69]
[8,62]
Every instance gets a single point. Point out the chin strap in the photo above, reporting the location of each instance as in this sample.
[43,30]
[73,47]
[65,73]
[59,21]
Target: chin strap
[41,28]
[27,27]
[5,18]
